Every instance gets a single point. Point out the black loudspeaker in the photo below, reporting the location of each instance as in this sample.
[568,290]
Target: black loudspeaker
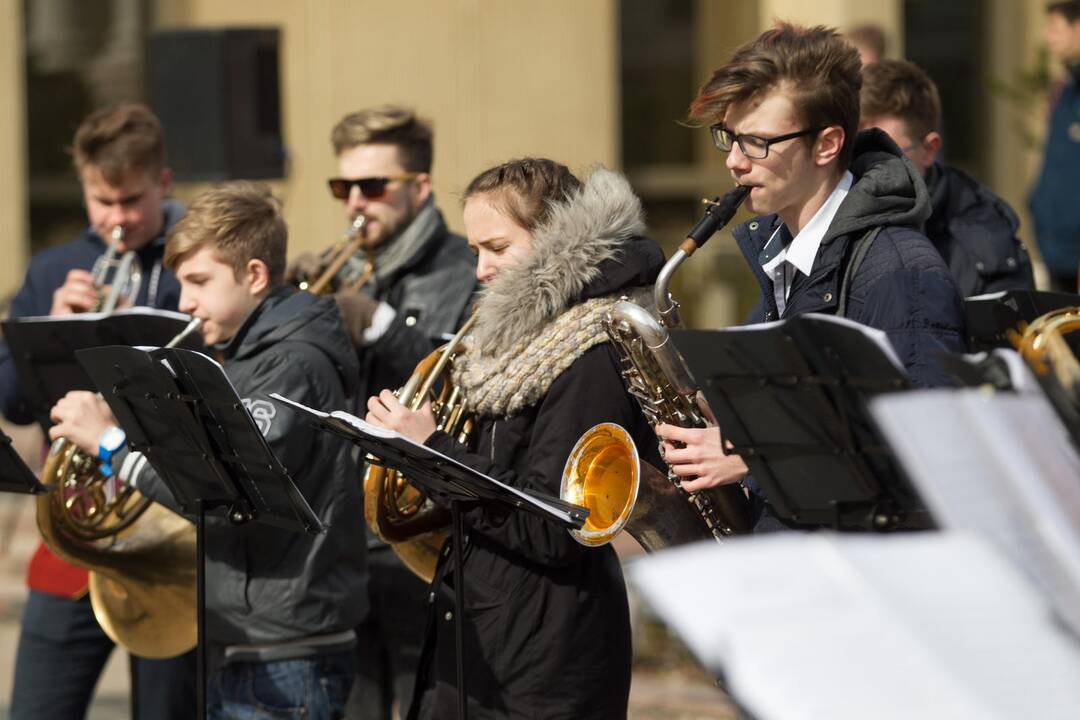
[218,95]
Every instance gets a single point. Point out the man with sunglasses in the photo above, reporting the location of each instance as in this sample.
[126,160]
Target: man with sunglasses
[421,279]
[838,220]
[972,228]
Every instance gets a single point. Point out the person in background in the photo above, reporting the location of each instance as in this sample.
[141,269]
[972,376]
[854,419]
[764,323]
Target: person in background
[972,228]
[420,278]
[119,157]
[871,42]
[1055,213]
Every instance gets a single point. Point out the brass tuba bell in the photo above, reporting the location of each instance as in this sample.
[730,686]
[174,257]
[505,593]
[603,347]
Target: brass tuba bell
[141,556]
[604,472]
[398,513]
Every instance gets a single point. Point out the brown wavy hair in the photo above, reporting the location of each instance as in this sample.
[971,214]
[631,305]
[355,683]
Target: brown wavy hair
[119,139]
[387,125]
[816,67]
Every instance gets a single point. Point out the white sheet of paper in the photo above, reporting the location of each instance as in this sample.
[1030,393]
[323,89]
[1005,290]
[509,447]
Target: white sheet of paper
[1002,466]
[912,625]
[366,428]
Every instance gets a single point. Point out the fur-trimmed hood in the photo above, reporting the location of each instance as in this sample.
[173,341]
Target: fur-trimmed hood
[590,246]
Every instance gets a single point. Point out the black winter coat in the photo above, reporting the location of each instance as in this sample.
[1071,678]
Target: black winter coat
[547,631]
[975,232]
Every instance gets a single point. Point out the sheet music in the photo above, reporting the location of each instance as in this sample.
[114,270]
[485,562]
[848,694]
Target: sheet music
[95,316]
[999,465]
[987,296]
[878,337]
[914,625]
[367,429]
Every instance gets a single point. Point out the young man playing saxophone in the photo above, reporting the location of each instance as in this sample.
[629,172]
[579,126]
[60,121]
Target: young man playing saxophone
[785,109]
[281,606]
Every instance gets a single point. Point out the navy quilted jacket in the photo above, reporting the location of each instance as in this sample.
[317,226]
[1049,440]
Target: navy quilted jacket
[902,287]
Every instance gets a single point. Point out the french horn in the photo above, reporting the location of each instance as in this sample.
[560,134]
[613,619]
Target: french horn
[141,556]
[397,512]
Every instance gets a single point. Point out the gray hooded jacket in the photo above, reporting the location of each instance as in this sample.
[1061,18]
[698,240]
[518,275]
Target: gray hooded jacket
[266,585]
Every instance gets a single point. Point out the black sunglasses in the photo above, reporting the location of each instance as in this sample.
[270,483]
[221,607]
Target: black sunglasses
[752,146]
[371,188]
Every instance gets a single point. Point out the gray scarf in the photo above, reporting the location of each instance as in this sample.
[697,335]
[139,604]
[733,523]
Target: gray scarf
[391,256]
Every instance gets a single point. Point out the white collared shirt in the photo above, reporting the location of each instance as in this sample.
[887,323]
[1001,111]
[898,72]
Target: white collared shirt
[802,250]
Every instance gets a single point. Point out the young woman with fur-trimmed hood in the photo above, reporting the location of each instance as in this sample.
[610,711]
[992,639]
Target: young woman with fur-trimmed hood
[547,628]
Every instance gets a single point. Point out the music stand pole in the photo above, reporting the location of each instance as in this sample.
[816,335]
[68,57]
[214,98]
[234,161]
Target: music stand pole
[200,584]
[459,607]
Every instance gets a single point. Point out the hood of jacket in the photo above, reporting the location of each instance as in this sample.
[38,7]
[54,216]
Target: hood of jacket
[287,314]
[888,189]
[590,246]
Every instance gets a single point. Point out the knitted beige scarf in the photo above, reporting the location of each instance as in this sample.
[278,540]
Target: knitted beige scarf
[502,384]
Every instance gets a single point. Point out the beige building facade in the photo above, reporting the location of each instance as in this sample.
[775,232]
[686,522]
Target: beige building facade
[500,79]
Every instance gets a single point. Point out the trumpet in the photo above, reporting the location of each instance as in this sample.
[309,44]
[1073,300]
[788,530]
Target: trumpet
[126,277]
[334,259]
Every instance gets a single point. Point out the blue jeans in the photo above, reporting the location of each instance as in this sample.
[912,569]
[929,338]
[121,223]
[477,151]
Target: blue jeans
[61,653]
[311,688]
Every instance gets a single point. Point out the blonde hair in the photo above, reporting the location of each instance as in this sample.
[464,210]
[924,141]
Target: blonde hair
[241,221]
[817,68]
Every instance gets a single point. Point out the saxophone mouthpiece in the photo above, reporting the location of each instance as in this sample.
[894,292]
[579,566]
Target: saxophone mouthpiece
[718,213]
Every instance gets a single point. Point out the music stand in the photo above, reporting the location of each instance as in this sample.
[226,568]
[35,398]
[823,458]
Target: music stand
[179,409]
[43,348]
[991,316]
[454,483]
[791,397]
[15,475]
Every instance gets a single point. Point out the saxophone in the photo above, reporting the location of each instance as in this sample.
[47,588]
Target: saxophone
[141,556]
[604,472]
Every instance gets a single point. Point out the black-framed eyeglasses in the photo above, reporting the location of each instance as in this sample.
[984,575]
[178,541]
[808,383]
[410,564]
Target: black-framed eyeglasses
[753,146]
[371,188]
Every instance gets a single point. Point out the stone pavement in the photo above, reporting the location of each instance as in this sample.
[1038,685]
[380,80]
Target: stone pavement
[666,683]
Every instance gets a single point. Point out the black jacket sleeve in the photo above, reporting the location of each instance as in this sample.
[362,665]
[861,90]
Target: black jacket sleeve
[589,392]
[396,354]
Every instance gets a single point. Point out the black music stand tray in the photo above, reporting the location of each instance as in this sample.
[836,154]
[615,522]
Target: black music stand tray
[791,397]
[453,483]
[991,316]
[43,348]
[15,475]
[179,409]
